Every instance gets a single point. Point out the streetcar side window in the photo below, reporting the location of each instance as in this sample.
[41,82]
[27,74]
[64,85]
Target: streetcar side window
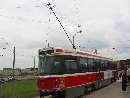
[103,66]
[71,66]
[109,64]
[57,67]
[97,65]
[91,65]
[83,65]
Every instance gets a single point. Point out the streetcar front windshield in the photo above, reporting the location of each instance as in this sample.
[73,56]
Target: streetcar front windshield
[57,65]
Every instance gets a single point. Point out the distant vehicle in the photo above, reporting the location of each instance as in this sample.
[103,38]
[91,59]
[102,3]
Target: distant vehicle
[2,81]
[69,74]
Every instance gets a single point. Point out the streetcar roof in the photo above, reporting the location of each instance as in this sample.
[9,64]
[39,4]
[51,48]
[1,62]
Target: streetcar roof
[61,51]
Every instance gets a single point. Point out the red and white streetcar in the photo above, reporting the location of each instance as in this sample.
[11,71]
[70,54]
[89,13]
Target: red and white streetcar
[69,74]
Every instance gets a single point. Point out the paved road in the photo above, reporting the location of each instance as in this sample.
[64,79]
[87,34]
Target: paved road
[111,91]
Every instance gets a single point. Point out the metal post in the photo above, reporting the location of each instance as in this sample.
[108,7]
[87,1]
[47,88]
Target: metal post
[13,61]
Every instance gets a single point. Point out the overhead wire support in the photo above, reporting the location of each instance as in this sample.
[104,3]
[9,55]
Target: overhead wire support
[51,8]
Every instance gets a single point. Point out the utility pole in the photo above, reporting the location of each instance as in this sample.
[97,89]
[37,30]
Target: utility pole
[34,64]
[13,61]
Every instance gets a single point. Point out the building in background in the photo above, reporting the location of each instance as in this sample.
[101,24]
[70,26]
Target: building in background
[18,72]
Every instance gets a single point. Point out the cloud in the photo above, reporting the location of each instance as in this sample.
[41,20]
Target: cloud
[123,25]
[28,25]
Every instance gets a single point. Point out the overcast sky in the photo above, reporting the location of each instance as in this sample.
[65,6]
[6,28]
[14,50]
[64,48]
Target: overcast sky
[27,24]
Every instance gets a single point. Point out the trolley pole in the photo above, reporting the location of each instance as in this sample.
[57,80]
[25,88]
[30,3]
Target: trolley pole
[74,42]
[13,61]
[74,47]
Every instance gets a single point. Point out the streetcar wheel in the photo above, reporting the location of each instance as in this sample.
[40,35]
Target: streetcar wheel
[79,97]
[59,95]
[40,95]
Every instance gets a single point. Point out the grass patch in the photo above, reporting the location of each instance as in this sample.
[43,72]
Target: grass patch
[19,89]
